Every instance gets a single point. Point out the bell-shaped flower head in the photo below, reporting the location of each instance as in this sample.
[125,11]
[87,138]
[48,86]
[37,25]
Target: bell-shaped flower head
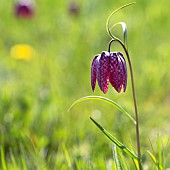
[109,67]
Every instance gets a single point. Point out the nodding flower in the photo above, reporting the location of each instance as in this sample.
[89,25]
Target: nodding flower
[109,67]
[25,8]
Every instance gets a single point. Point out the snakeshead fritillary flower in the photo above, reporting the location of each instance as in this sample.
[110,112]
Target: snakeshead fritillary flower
[109,67]
[25,8]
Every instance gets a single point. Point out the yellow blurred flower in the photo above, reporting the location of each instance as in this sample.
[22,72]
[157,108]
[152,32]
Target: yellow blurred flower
[22,52]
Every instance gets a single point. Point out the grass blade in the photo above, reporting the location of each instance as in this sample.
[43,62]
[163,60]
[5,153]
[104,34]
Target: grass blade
[24,165]
[136,162]
[124,164]
[116,158]
[24,158]
[152,157]
[160,155]
[3,162]
[12,157]
[67,156]
[105,100]
[114,140]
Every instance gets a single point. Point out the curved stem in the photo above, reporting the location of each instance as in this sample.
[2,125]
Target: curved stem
[108,20]
[134,98]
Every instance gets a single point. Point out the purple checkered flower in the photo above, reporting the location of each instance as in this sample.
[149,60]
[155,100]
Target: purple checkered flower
[109,67]
[25,8]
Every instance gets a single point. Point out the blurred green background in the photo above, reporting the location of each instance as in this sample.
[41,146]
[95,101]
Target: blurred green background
[36,131]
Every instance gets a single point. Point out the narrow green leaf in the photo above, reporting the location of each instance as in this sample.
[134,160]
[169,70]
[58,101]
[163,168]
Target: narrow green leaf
[12,157]
[123,162]
[24,158]
[114,140]
[116,158]
[108,19]
[23,163]
[3,162]
[152,157]
[136,162]
[124,29]
[67,156]
[160,155]
[105,100]
[167,145]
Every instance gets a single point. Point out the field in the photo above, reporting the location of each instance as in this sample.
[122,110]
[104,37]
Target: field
[36,129]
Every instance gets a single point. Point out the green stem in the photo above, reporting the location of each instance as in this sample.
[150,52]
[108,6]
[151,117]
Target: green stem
[134,98]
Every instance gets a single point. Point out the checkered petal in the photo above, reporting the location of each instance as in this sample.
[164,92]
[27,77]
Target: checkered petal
[93,72]
[124,71]
[103,71]
[117,71]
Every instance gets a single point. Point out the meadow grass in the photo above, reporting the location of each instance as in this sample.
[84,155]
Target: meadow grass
[36,131]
